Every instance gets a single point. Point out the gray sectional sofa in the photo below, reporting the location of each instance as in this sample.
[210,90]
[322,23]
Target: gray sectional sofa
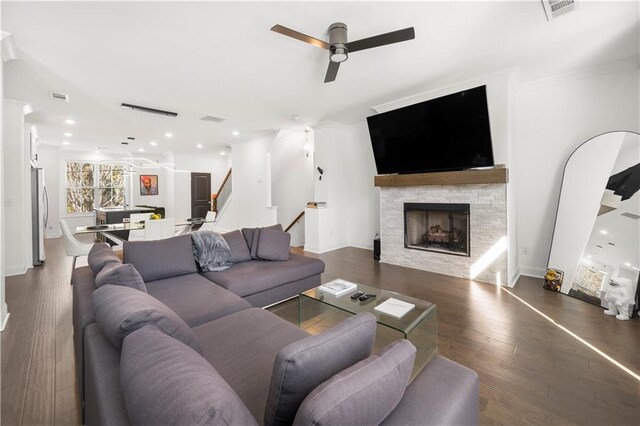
[161,343]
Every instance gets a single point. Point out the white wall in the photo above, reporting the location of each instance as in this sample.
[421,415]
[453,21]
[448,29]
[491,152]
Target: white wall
[205,163]
[251,184]
[327,229]
[17,189]
[363,199]
[291,180]
[553,118]
[4,309]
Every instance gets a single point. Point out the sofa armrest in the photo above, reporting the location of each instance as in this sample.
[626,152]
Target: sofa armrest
[444,393]
[82,311]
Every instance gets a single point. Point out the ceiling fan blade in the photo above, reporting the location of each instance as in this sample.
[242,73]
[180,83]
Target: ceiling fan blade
[299,36]
[332,72]
[382,39]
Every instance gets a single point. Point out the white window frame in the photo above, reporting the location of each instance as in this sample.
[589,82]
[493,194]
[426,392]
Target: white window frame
[96,186]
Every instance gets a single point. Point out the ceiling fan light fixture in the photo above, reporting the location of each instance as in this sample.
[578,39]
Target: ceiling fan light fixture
[339,54]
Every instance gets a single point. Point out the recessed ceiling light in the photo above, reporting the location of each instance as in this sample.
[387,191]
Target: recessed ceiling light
[69,121]
[140,149]
[68,134]
[223,153]
[235,133]
[65,142]
[153,143]
[168,135]
[199,145]
[97,151]
[603,232]
[589,256]
[627,264]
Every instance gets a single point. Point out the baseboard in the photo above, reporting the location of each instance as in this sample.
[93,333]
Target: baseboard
[533,271]
[514,278]
[369,247]
[4,316]
[318,251]
[16,270]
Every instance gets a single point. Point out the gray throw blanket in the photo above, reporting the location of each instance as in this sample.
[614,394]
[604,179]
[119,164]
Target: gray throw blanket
[211,251]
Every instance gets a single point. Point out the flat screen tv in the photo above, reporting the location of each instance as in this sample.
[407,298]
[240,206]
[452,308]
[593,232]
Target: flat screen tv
[442,134]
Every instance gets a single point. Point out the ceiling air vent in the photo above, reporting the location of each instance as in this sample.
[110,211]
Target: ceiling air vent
[213,119]
[59,96]
[556,8]
[630,215]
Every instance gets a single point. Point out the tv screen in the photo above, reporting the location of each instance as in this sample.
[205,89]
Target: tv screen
[442,134]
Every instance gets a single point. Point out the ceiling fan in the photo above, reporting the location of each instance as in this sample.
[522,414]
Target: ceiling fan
[338,46]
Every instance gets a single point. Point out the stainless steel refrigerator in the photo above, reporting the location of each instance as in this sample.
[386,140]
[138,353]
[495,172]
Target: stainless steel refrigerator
[39,214]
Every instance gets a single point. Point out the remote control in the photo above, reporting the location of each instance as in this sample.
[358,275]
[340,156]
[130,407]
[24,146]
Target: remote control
[366,297]
[357,294]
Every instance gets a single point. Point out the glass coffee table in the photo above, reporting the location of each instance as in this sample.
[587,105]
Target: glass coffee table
[318,310]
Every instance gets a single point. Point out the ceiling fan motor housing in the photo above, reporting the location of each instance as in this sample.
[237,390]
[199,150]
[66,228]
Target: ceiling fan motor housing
[338,51]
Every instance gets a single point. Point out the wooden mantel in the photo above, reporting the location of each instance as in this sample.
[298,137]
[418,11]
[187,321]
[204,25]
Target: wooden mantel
[466,177]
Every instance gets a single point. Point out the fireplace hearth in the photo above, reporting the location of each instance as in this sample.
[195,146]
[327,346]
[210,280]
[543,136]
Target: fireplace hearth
[438,227]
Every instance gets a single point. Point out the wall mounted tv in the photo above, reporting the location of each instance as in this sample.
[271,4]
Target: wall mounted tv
[442,134]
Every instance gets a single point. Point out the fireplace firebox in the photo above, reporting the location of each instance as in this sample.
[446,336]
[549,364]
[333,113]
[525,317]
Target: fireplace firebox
[442,228]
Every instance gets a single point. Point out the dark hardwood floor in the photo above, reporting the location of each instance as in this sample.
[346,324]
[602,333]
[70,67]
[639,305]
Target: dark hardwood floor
[531,370]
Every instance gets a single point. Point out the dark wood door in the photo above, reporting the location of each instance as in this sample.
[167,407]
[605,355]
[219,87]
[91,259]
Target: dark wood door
[200,194]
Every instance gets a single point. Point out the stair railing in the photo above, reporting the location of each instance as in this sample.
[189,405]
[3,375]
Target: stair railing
[296,220]
[223,192]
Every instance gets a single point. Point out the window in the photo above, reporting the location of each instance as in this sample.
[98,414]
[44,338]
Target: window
[90,185]
[111,186]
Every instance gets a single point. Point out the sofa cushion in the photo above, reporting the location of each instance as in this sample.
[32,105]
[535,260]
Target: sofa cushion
[273,245]
[166,382]
[99,255]
[363,394]
[238,246]
[196,299]
[453,397]
[120,274]
[252,339]
[303,365]
[155,260]
[122,310]
[248,278]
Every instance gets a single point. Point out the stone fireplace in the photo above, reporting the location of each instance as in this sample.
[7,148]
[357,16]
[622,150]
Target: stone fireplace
[453,226]
[438,227]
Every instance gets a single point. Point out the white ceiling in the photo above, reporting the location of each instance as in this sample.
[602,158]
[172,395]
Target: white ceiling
[222,59]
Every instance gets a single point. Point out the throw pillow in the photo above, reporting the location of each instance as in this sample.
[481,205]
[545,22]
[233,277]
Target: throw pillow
[303,365]
[273,245]
[256,239]
[159,259]
[247,234]
[363,394]
[121,310]
[238,246]
[166,382]
[99,255]
[120,274]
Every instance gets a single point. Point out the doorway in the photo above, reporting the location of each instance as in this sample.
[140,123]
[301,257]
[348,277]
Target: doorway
[200,194]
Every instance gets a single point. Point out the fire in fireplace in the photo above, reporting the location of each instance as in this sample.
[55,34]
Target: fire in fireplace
[442,228]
